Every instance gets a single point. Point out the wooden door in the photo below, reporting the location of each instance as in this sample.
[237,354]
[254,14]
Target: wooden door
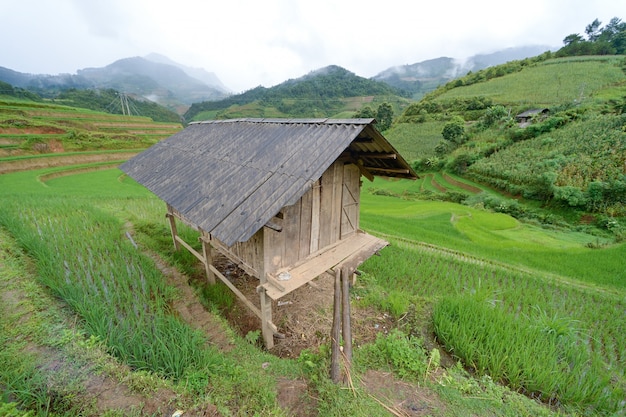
[350,200]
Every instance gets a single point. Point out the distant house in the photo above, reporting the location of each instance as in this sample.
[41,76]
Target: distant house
[525,118]
[278,197]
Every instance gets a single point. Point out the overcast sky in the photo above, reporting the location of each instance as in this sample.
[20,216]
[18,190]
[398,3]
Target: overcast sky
[248,43]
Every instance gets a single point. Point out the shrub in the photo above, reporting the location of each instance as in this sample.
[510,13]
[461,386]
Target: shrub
[403,354]
[572,196]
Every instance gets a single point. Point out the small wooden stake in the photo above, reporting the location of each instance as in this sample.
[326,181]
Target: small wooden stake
[335,370]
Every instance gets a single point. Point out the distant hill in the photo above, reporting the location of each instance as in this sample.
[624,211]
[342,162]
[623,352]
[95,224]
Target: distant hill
[572,155]
[209,78]
[321,93]
[417,79]
[164,82]
[44,134]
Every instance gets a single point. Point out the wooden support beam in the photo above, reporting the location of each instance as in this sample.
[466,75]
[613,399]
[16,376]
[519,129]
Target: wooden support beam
[364,171]
[274,225]
[266,318]
[335,336]
[241,264]
[190,249]
[208,261]
[238,293]
[173,231]
[389,170]
[375,155]
[345,315]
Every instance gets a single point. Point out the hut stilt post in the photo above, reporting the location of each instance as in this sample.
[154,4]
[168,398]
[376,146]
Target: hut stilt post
[207,250]
[266,319]
[335,337]
[172,220]
[345,312]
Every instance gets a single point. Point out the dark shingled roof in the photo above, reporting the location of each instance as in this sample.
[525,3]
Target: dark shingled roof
[229,177]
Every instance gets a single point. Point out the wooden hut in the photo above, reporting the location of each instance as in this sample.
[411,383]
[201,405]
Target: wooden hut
[525,118]
[278,197]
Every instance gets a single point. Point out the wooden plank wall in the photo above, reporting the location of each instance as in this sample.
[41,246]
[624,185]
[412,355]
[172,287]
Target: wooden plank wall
[315,221]
[250,253]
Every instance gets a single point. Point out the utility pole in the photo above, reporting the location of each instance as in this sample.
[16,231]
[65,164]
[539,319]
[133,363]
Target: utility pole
[124,103]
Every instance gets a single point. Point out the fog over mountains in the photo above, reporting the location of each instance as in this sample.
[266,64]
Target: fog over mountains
[419,78]
[157,78]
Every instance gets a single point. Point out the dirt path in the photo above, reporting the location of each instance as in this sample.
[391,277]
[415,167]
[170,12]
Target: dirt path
[189,308]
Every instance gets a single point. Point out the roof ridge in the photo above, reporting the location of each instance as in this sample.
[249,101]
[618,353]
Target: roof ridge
[329,121]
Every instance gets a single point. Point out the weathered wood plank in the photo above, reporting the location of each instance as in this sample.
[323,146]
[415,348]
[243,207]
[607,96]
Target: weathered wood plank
[291,233]
[353,251]
[306,213]
[233,257]
[315,217]
[274,250]
[335,230]
[326,205]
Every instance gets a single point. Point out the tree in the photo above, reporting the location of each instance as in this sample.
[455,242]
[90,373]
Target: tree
[384,116]
[494,114]
[573,38]
[612,29]
[365,112]
[454,130]
[593,30]
[607,40]
[619,43]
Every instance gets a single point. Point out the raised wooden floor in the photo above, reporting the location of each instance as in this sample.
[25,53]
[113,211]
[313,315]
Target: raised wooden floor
[351,251]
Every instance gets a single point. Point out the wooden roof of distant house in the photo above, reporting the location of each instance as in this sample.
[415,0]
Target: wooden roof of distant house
[230,177]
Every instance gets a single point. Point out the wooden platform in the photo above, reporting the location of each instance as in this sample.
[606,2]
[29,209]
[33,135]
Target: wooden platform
[351,251]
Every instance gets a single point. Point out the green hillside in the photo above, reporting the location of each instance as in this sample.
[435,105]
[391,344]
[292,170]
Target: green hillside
[548,83]
[328,92]
[572,157]
[37,134]
[104,100]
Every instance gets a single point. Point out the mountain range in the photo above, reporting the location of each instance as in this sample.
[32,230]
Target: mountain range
[176,86]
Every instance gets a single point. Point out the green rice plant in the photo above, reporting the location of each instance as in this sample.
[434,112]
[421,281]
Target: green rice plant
[552,365]
[120,294]
[568,302]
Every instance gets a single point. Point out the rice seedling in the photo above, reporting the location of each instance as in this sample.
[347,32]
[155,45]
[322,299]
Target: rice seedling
[118,292]
[540,355]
